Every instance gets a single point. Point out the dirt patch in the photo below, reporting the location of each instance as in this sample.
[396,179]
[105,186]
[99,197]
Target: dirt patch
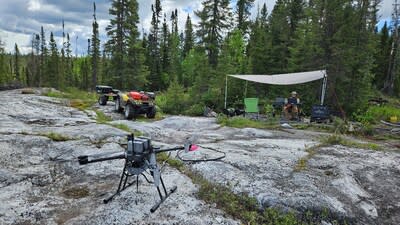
[76,192]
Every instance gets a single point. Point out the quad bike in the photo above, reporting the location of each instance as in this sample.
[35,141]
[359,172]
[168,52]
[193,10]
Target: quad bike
[134,103]
[105,93]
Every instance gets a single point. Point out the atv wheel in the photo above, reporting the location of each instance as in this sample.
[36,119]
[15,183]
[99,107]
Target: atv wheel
[103,100]
[151,113]
[118,105]
[129,112]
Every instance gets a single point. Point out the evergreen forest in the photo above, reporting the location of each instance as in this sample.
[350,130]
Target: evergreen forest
[188,67]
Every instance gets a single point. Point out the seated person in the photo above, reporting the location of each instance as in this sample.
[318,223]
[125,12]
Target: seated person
[291,109]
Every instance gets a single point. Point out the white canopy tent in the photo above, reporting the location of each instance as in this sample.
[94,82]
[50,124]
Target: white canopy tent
[284,79]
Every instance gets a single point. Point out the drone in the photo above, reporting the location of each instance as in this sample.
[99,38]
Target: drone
[140,158]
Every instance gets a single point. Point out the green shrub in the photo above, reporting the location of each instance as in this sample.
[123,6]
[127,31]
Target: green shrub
[268,109]
[174,100]
[376,113]
[195,110]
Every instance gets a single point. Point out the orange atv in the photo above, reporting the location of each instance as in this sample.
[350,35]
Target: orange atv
[134,103]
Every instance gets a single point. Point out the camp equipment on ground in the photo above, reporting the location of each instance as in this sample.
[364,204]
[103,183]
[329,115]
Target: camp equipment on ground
[251,106]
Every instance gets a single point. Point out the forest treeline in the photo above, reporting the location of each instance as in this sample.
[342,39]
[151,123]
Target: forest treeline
[191,65]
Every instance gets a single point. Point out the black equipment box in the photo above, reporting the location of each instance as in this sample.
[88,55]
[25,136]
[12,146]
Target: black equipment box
[319,113]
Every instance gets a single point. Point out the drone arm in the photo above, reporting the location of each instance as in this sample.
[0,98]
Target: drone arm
[169,149]
[84,159]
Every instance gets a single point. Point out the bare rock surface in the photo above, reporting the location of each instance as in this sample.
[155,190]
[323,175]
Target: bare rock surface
[41,182]
[349,185]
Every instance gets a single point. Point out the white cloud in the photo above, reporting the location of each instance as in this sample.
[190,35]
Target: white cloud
[10,38]
[34,5]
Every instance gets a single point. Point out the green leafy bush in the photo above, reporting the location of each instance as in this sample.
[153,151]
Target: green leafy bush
[376,113]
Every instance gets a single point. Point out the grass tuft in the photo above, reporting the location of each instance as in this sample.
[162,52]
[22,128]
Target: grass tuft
[126,128]
[241,122]
[79,99]
[102,118]
[57,137]
[340,140]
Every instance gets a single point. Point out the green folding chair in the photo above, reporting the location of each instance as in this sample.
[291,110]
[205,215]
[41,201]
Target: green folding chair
[251,106]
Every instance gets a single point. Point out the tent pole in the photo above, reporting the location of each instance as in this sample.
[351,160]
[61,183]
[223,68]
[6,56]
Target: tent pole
[226,89]
[245,90]
[324,83]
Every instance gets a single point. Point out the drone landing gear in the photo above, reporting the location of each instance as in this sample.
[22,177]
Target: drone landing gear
[123,185]
[162,197]
[121,188]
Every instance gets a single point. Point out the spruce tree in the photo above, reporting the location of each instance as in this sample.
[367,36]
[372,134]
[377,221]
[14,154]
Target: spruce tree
[137,71]
[280,37]
[381,57]
[116,44]
[154,53]
[259,46]
[53,63]
[215,22]
[3,64]
[175,51]
[17,63]
[164,47]
[296,13]
[43,58]
[84,69]
[32,64]
[62,77]
[189,37]
[69,77]
[95,48]
[348,46]
[243,14]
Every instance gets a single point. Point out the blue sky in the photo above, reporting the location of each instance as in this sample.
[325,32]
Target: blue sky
[19,19]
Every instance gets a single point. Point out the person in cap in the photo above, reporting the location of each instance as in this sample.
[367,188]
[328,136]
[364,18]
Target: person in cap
[291,109]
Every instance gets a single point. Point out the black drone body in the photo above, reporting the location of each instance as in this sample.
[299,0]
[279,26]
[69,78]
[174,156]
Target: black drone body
[140,156]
